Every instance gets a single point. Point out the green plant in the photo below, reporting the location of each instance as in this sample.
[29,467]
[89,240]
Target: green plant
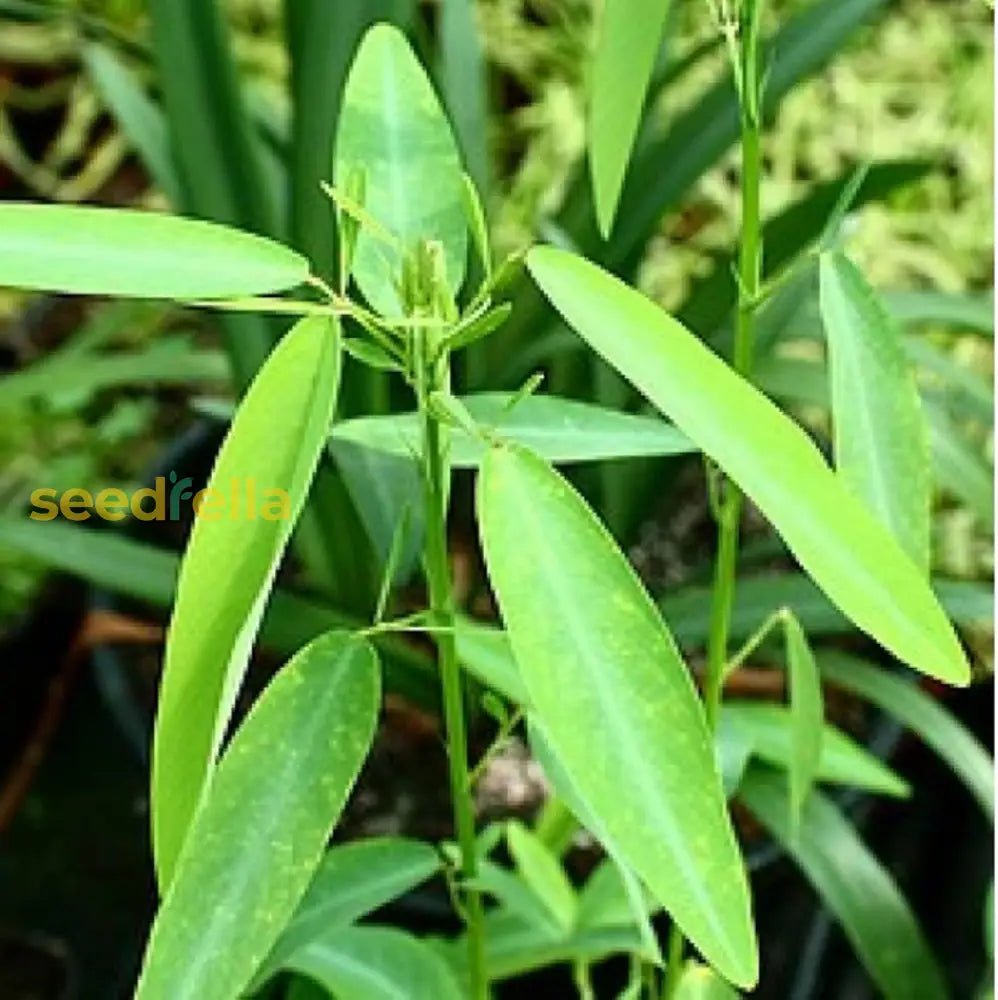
[611,708]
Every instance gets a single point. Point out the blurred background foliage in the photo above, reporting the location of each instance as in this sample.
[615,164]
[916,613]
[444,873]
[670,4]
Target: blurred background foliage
[913,83]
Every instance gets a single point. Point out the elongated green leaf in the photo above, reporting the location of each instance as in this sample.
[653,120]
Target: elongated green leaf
[542,872]
[923,715]
[627,46]
[837,541]
[614,698]
[960,468]
[252,848]
[229,568]
[393,129]
[757,597]
[353,880]
[698,982]
[854,886]
[972,312]
[560,430]
[807,714]
[769,731]
[120,251]
[604,899]
[881,439]
[140,119]
[486,652]
[377,963]
[512,893]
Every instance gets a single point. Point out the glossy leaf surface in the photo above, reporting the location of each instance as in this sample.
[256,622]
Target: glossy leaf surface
[123,251]
[229,567]
[254,845]
[840,544]
[615,700]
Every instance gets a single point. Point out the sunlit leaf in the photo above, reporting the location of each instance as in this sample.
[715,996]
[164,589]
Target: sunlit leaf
[615,700]
[542,872]
[229,568]
[840,544]
[253,846]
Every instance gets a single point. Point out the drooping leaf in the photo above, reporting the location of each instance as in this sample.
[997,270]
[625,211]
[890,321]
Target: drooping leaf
[229,568]
[353,880]
[837,541]
[923,715]
[254,845]
[807,714]
[628,43]
[393,129]
[881,439]
[853,885]
[614,699]
[542,872]
[122,251]
[376,963]
[768,729]
[560,430]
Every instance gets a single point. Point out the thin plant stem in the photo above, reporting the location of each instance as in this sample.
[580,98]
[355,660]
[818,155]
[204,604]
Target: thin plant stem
[437,491]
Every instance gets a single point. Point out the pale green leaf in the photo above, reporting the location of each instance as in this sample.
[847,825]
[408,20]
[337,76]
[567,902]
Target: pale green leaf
[881,438]
[626,50]
[854,886]
[252,848]
[122,251]
[615,700]
[542,872]
[392,127]
[699,982]
[838,542]
[352,881]
[769,731]
[377,963]
[560,430]
[229,568]
[807,714]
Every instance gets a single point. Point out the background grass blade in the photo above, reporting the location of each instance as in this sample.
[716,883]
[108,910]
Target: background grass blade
[854,886]
[611,693]
[807,715]
[228,571]
[881,438]
[628,42]
[836,540]
[278,791]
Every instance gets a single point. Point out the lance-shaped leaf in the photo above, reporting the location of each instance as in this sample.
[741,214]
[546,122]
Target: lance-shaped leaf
[807,714]
[843,547]
[254,845]
[881,437]
[122,251]
[615,700]
[853,885]
[541,870]
[393,129]
[377,963]
[629,40]
[273,444]
[560,430]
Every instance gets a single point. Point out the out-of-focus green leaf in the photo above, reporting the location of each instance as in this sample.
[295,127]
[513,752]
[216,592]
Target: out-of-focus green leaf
[970,312]
[840,544]
[768,730]
[229,568]
[961,470]
[121,251]
[757,597]
[807,715]
[854,886]
[254,844]
[700,982]
[923,715]
[542,872]
[376,963]
[560,430]
[881,440]
[140,119]
[393,129]
[628,42]
[353,880]
[464,85]
[613,697]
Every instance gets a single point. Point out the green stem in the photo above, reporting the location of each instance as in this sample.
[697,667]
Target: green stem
[437,492]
